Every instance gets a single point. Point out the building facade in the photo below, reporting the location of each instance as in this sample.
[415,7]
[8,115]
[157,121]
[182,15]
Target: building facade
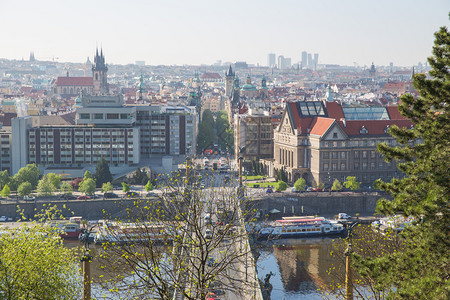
[323,141]
[253,136]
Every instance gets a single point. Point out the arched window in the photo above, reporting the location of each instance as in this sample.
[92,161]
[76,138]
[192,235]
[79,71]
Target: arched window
[96,76]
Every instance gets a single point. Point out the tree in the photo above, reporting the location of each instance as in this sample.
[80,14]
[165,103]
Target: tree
[107,187]
[24,189]
[54,179]
[280,174]
[175,249]
[87,186]
[66,188]
[300,184]
[351,183]
[4,178]
[87,174]
[45,186]
[149,186]
[34,264]
[281,186]
[137,177]
[421,270]
[6,191]
[125,187]
[102,173]
[337,185]
[30,174]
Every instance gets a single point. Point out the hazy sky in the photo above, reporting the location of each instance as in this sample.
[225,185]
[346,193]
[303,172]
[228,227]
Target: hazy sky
[204,31]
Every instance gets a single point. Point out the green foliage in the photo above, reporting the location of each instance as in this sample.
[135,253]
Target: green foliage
[87,174]
[205,137]
[224,132]
[46,185]
[125,187]
[87,186]
[280,175]
[54,179]
[4,178]
[30,174]
[24,189]
[107,187]
[6,191]
[34,264]
[300,184]
[281,186]
[421,270]
[337,185]
[102,173]
[66,188]
[149,186]
[351,183]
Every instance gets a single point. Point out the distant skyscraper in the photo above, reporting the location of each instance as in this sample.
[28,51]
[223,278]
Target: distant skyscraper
[304,59]
[316,60]
[310,61]
[271,60]
[281,62]
[32,56]
[287,63]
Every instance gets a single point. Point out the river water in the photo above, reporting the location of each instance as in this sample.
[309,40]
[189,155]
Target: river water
[300,267]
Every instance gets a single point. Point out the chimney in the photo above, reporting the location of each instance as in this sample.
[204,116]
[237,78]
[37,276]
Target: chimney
[344,122]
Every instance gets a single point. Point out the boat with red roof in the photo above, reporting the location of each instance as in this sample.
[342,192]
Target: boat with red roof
[300,226]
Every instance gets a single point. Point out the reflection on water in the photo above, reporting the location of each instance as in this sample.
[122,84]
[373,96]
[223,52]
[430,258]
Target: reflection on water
[300,266]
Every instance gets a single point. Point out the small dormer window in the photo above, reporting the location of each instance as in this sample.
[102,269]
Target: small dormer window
[386,130]
[363,130]
[335,135]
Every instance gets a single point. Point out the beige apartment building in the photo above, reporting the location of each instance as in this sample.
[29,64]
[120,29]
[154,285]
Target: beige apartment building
[253,130]
[322,141]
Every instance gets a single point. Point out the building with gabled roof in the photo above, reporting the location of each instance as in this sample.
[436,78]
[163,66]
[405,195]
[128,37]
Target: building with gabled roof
[322,141]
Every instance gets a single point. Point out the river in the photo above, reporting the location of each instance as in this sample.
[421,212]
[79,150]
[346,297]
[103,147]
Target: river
[299,266]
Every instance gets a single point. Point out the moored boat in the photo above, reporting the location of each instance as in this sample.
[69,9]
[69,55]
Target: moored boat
[117,232]
[298,227]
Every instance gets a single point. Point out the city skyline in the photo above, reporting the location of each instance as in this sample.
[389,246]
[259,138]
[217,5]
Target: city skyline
[200,32]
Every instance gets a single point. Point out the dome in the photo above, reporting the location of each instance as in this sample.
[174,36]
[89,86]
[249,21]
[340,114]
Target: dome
[248,87]
[78,102]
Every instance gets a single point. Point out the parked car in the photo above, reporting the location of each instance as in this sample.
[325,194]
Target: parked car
[343,216]
[269,190]
[151,194]
[132,194]
[29,198]
[3,219]
[67,197]
[84,197]
[110,195]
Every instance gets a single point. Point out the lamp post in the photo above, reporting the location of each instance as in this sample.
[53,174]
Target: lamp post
[348,267]
[86,260]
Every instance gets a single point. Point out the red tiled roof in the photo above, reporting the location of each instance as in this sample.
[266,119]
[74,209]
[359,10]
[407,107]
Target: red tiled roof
[320,125]
[334,110]
[374,127]
[394,113]
[211,76]
[77,81]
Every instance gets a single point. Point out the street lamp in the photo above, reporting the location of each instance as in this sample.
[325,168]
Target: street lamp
[86,260]
[348,260]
